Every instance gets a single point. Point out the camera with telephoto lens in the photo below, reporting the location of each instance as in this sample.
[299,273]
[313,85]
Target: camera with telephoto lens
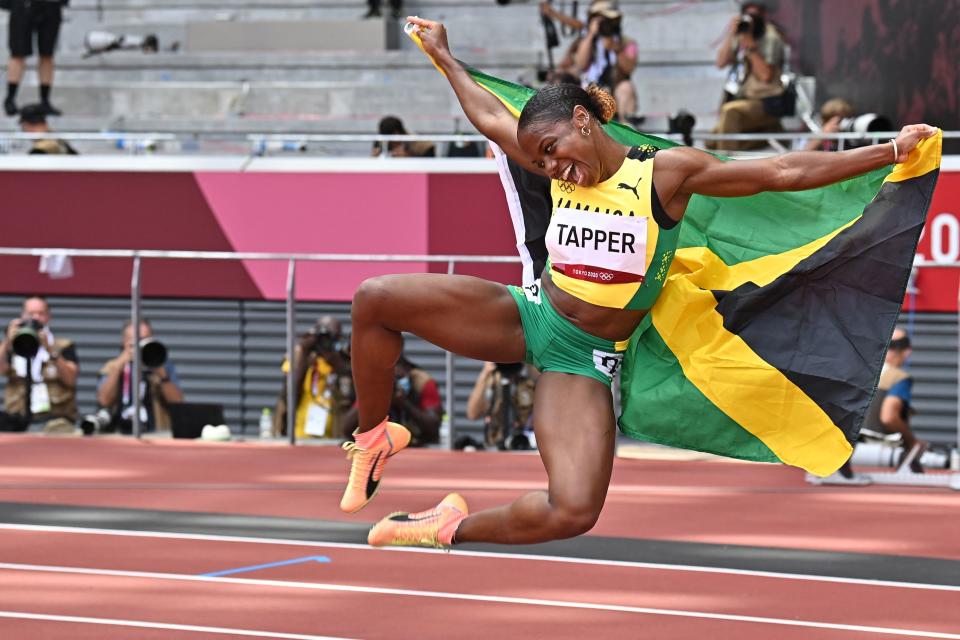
[754,25]
[96,422]
[153,353]
[864,123]
[26,339]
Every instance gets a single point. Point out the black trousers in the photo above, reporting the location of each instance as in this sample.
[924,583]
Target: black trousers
[27,17]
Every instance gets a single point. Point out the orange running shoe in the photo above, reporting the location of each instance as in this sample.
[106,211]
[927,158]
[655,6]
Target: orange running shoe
[432,528]
[367,469]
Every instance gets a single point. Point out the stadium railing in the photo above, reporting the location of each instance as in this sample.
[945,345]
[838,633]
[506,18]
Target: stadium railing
[245,144]
[291,259]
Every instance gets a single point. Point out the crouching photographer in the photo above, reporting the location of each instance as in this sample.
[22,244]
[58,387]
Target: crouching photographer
[158,387]
[503,397]
[41,373]
[838,116]
[323,385]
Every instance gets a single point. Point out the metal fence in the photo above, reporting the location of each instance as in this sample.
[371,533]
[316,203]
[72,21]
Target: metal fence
[292,259]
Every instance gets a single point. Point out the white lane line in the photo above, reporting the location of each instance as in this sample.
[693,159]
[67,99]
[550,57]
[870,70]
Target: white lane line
[142,624]
[484,554]
[443,595]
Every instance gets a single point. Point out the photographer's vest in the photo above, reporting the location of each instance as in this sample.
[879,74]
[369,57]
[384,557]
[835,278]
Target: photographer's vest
[161,417]
[63,399]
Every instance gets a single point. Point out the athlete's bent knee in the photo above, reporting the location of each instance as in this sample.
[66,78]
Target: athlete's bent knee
[371,294]
[571,523]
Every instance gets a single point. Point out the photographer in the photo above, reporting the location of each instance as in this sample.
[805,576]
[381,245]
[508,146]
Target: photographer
[416,403]
[503,397]
[753,100]
[393,126]
[604,56]
[323,390]
[33,119]
[838,116]
[159,386]
[41,373]
[891,408]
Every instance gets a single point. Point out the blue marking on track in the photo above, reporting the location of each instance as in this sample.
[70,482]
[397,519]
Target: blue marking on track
[269,565]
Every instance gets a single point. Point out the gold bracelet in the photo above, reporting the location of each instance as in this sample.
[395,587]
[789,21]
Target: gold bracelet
[896,153]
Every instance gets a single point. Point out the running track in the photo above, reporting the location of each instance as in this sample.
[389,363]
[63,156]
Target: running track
[113,538]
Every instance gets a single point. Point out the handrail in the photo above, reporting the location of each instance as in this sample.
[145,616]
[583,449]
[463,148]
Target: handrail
[222,136]
[247,255]
[39,252]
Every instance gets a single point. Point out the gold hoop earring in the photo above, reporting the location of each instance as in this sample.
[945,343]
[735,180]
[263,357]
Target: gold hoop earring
[584,130]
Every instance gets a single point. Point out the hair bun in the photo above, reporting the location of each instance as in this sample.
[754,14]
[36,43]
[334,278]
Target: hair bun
[604,103]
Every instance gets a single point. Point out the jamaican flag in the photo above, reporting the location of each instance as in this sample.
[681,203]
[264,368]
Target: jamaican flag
[767,340]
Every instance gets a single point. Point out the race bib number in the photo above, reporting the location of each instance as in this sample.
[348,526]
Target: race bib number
[598,247]
[532,291]
[608,363]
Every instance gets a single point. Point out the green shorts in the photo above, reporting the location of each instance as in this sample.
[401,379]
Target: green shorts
[555,344]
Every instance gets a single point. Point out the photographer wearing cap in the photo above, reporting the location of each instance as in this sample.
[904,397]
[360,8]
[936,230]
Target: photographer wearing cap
[41,373]
[604,56]
[753,94]
[503,397]
[33,119]
[323,387]
[158,387]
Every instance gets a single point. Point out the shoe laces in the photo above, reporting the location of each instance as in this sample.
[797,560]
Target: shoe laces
[361,463]
[425,530]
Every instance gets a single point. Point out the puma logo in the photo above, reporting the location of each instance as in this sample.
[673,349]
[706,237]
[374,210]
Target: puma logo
[624,185]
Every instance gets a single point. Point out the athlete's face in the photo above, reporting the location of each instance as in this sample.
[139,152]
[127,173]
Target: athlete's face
[562,151]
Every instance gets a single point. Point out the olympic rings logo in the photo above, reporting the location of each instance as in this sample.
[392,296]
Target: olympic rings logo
[606,276]
[566,187]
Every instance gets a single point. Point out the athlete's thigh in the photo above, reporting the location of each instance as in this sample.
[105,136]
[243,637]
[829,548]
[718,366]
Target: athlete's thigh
[466,315]
[576,433]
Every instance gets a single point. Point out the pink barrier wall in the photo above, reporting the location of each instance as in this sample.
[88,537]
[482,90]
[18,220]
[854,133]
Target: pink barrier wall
[370,213]
[316,212]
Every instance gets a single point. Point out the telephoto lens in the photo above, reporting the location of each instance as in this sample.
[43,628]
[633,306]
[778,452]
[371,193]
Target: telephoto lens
[152,353]
[26,339]
[95,422]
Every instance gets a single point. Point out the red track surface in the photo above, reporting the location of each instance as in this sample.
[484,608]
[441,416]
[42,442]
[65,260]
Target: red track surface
[694,501]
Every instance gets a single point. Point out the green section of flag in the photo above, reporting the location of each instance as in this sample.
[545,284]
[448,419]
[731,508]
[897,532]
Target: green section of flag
[677,409]
[778,222]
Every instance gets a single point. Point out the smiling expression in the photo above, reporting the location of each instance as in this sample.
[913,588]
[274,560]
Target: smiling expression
[562,151]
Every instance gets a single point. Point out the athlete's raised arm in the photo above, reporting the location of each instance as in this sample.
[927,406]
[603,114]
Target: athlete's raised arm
[485,111]
[696,172]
